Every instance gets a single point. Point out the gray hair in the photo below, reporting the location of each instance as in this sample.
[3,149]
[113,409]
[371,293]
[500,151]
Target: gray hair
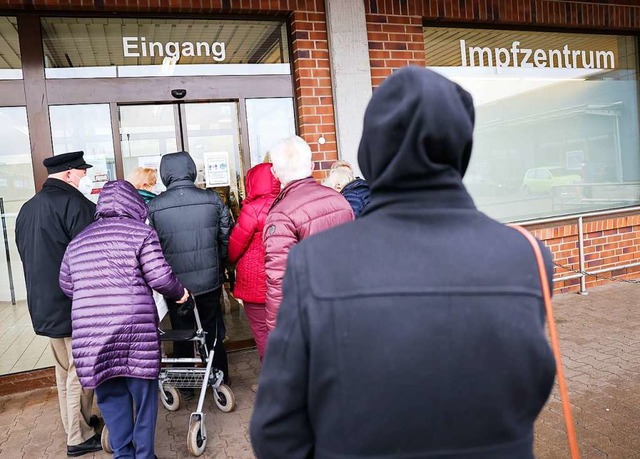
[291,159]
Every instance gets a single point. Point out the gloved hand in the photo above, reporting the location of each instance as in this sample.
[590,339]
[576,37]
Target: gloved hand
[186,307]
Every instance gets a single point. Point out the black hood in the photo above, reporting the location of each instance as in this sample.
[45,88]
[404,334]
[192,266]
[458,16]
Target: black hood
[417,133]
[176,167]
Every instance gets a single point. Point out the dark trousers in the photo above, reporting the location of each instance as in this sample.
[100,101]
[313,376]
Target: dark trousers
[130,438]
[212,320]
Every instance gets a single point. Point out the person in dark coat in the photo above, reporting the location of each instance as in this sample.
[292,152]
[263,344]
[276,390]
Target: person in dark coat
[354,189]
[417,330]
[115,339]
[193,226]
[44,227]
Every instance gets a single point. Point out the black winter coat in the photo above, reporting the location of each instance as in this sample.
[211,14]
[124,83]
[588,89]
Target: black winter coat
[356,193]
[45,225]
[193,225]
[416,331]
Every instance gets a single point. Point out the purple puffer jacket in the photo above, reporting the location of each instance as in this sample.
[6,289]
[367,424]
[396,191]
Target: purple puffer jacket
[109,270]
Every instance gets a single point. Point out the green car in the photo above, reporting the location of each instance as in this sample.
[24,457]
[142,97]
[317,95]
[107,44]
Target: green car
[539,180]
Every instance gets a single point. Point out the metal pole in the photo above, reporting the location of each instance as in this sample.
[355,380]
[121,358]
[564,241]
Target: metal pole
[8,254]
[583,278]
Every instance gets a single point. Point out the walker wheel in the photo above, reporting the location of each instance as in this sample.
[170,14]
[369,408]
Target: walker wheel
[196,441]
[104,440]
[224,398]
[171,397]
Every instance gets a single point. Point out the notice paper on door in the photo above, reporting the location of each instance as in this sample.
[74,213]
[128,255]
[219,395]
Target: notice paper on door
[216,169]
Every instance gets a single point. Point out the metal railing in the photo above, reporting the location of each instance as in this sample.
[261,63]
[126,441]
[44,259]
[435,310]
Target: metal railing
[582,273]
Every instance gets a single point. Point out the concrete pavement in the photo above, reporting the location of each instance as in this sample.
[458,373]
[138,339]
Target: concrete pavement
[600,340]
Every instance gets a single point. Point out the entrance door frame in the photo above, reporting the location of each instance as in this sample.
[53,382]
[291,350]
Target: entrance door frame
[40,92]
[151,90]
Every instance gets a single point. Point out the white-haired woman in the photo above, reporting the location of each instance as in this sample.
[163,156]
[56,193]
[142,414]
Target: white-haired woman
[354,189]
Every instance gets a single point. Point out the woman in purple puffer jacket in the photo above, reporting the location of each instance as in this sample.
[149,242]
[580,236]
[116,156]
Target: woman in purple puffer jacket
[108,271]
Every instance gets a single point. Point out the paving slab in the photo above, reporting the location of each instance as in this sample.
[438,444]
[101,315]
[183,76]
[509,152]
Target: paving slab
[600,341]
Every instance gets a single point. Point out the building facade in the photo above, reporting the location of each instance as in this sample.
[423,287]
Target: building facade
[555,84]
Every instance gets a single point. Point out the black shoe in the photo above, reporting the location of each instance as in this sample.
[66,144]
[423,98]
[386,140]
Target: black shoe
[94,421]
[187,394]
[90,446]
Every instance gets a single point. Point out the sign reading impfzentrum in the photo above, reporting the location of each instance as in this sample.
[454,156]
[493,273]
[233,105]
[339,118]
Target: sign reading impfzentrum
[140,47]
[518,56]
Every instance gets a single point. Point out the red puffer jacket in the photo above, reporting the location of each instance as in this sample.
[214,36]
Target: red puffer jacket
[303,208]
[245,243]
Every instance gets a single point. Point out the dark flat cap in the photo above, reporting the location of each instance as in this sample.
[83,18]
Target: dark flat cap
[65,162]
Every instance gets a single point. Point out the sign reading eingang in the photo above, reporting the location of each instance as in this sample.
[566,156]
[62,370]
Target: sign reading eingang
[140,47]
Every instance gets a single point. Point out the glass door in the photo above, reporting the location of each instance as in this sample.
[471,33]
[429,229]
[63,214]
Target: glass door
[210,132]
[146,133]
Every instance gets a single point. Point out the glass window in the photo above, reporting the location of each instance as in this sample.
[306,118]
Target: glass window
[121,47]
[212,142]
[10,63]
[20,348]
[146,133]
[556,118]
[86,128]
[269,121]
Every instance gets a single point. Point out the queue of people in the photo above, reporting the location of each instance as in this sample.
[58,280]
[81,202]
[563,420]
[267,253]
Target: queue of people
[345,286]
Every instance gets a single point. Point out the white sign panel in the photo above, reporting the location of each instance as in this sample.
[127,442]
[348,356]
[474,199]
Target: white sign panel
[216,169]
[152,162]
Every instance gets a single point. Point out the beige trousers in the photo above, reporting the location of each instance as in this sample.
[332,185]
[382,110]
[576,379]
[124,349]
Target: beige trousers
[75,402]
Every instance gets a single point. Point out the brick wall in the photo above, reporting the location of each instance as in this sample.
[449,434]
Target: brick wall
[395,41]
[608,243]
[313,94]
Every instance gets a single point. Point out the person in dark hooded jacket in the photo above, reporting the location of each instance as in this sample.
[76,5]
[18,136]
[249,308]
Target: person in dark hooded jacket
[354,189]
[193,226]
[417,330]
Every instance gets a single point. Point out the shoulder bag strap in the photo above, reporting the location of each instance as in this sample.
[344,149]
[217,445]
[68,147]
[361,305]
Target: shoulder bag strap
[555,345]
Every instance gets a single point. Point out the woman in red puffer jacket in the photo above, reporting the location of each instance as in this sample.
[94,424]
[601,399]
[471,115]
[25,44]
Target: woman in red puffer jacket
[246,249]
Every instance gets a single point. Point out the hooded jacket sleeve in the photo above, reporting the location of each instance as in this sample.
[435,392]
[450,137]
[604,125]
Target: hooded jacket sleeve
[65,280]
[155,270]
[279,236]
[242,233]
[226,223]
[280,425]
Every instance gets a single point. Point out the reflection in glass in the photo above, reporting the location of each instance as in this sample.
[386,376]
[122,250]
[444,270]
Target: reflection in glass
[10,62]
[212,141]
[125,47]
[146,133]
[86,128]
[548,140]
[213,137]
[20,348]
[269,121]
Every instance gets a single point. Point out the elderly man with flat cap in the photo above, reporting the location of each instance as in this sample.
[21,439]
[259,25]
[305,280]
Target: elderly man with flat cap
[44,227]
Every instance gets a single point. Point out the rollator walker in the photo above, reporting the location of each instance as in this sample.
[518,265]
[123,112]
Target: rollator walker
[200,375]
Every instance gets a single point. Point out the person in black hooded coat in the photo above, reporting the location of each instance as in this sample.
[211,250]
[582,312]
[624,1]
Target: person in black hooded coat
[193,226]
[417,330]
